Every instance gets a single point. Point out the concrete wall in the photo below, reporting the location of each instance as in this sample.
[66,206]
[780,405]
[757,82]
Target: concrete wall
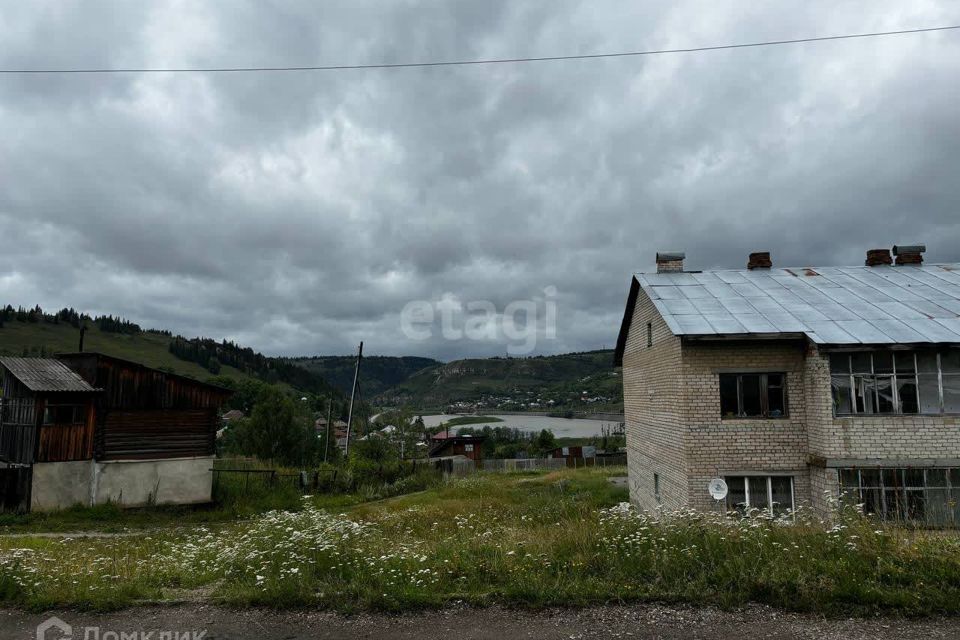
[140,482]
[653,399]
[58,485]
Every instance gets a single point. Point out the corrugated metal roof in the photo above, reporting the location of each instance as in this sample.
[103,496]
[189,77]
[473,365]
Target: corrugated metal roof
[45,374]
[832,305]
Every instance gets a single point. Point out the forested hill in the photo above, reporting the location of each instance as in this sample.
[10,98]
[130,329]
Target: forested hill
[378,373]
[35,332]
[569,382]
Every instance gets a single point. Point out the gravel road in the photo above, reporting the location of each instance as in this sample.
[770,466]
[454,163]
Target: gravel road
[462,623]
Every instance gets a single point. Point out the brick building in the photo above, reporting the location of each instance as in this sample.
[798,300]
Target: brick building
[792,384]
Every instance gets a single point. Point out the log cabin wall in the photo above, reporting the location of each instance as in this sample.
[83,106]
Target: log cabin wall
[145,413]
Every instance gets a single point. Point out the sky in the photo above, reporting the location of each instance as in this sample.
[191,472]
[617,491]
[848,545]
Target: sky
[302,212]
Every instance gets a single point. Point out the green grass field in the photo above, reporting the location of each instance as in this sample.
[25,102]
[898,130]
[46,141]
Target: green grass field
[548,539]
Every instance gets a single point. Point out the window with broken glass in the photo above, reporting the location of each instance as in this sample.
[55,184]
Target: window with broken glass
[895,382]
[927,496]
[770,494]
[753,395]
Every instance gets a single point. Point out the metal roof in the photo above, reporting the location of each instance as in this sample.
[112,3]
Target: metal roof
[830,305]
[45,374]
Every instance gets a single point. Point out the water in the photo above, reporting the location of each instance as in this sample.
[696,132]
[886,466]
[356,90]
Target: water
[561,427]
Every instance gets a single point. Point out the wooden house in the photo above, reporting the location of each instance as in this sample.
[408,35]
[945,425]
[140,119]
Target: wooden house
[467,446]
[93,428]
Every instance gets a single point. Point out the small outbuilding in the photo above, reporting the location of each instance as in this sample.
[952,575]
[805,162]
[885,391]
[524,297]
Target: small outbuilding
[467,446]
[88,428]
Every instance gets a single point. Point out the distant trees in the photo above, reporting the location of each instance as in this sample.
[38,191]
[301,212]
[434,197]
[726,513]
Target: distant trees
[109,324]
[406,432]
[510,442]
[226,353]
[278,430]
[67,315]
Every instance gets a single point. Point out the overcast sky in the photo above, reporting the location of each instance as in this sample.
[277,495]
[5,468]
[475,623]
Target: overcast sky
[298,213]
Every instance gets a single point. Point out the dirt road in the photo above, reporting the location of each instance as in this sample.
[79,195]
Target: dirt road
[648,621]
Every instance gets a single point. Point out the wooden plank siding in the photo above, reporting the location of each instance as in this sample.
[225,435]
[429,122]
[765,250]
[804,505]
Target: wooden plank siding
[144,413]
[68,441]
[18,427]
[156,434]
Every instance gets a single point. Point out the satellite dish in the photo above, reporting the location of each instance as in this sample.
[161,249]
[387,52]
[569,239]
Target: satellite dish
[717,488]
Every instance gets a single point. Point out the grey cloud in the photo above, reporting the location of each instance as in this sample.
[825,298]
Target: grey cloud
[299,212]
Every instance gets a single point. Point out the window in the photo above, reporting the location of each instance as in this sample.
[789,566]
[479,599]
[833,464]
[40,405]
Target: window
[753,395]
[928,496]
[656,487]
[468,448]
[63,414]
[772,494]
[895,382]
[649,334]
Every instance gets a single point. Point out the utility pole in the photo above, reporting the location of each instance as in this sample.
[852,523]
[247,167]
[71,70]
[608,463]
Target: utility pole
[353,393]
[326,438]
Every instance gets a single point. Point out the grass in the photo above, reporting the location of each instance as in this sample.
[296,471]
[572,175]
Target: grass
[235,497]
[560,538]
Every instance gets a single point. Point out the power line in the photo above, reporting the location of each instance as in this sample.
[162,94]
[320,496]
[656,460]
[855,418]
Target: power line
[453,63]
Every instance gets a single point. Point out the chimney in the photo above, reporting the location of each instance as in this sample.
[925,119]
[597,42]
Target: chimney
[878,257]
[670,261]
[909,254]
[759,260]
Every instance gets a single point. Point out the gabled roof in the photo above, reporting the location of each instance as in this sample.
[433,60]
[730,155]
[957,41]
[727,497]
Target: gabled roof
[46,375]
[73,357]
[905,304]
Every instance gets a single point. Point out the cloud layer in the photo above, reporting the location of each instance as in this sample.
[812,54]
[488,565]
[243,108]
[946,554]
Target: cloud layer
[299,212]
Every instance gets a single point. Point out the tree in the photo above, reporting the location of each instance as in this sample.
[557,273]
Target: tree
[544,442]
[278,430]
[213,365]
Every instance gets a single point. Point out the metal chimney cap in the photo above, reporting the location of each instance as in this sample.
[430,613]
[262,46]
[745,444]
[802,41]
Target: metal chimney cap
[907,249]
[668,256]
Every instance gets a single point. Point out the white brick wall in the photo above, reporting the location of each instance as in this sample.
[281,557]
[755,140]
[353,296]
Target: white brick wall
[652,394]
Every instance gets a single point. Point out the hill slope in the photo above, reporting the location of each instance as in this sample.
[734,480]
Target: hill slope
[573,381]
[378,373]
[46,334]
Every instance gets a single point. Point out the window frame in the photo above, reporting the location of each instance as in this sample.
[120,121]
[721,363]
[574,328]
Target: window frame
[768,479]
[50,411]
[854,380]
[901,487]
[764,395]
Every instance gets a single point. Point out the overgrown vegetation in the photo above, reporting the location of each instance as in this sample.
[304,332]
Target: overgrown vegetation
[533,540]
